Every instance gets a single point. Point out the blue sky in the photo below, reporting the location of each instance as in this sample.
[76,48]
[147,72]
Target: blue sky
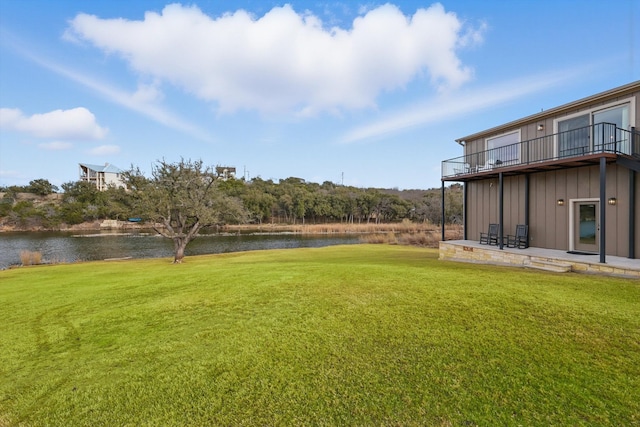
[368,94]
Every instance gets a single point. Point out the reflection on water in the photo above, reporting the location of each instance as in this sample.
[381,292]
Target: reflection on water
[72,247]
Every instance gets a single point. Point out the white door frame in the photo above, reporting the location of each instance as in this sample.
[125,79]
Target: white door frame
[572,205]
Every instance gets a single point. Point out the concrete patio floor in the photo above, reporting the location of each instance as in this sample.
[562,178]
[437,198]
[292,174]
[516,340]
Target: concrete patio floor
[532,257]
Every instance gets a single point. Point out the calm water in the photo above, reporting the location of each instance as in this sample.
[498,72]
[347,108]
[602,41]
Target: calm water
[71,247]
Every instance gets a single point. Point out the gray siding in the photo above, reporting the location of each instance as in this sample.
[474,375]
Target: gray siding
[548,222]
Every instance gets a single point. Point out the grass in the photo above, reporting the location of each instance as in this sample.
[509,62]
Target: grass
[347,335]
[419,238]
[404,227]
[400,233]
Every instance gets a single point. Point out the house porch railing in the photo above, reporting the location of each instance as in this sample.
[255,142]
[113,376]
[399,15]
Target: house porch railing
[594,139]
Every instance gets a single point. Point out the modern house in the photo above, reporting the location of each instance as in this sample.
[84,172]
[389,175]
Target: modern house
[570,173]
[102,176]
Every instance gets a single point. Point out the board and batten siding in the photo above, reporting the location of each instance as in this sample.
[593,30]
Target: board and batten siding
[483,201]
[548,222]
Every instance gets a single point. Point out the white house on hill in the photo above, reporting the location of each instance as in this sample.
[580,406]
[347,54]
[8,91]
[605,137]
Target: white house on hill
[225,172]
[101,176]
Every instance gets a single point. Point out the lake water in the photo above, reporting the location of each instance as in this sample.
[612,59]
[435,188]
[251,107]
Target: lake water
[72,247]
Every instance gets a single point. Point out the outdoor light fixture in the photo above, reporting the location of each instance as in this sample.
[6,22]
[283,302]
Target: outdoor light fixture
[612,201]
[540,127]
[560,202]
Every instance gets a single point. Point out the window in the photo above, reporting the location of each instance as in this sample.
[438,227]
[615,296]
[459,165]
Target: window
[595,130]
[504,148]
[607,125]
[573,136]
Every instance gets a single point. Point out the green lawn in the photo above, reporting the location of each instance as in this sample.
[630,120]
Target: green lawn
[348,335]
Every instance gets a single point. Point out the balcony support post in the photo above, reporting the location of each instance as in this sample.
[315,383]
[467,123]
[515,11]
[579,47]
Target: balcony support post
[501,209]
[443,217]
[526,199]
[603,208]
[632,213]
[465,191]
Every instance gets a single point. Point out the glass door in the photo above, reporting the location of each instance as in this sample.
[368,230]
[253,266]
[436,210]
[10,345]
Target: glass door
[573,137]
[586,227]
[606,129]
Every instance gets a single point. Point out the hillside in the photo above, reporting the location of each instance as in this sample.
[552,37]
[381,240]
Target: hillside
[290,201]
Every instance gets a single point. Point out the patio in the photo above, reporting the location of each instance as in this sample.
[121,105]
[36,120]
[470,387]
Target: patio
[545,259]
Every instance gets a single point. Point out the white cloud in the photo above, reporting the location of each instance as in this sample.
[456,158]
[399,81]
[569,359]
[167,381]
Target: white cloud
[285,60]
[147,93]
[473,36]
[139,102]
[55,145]
[454,105]
[104,150]
[9,174]
[77,123]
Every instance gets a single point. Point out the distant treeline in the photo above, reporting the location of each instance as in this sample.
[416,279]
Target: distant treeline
[290,200]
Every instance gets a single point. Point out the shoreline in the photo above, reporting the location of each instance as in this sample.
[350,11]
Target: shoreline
[327,228]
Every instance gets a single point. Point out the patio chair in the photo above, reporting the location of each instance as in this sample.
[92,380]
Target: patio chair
[465,169]
[491,236]
[521,238]
[487,166]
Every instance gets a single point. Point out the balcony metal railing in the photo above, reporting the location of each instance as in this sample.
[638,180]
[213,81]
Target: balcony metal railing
[597,138]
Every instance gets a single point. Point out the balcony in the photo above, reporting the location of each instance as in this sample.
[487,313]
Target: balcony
[573,148]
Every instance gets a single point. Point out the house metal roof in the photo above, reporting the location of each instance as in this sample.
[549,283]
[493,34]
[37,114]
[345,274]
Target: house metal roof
[552,111]
[107,167]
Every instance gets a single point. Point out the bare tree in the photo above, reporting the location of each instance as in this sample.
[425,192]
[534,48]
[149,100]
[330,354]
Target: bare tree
[182,198]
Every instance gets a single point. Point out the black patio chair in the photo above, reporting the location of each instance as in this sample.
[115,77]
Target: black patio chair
[491,236]
[521,238]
